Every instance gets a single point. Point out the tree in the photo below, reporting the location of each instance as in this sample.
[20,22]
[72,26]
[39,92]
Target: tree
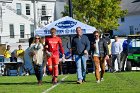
[66,11]
[103,14]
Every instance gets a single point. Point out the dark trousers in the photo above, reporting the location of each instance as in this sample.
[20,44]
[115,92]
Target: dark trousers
[108,61]
[123,59]
[114,57]
[38,72]
[21,66]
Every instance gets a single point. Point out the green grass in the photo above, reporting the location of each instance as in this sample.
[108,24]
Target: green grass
[125,82]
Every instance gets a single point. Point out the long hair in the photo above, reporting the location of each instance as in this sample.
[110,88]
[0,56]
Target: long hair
[39,39]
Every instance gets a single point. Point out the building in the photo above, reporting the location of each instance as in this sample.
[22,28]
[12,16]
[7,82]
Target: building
[130,24]
[17,18]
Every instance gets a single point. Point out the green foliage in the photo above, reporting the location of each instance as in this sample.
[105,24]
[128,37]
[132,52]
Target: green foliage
[103,14]
[66,11]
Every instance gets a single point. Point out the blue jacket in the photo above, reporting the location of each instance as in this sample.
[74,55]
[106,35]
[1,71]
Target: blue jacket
[126,45]
[80,44]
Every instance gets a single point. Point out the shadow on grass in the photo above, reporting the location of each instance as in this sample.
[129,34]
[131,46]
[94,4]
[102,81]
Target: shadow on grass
[69,82]
[72,82]
[24,83]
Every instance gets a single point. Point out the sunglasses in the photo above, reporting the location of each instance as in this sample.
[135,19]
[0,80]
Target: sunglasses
[96,35]
[37,38]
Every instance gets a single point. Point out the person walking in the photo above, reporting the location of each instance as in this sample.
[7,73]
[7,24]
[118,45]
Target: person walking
[36,51]
[52,45]
[99,49]
[80,48]
[116,49]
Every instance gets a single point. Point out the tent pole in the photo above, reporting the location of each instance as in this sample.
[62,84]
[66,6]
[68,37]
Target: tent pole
[70,8]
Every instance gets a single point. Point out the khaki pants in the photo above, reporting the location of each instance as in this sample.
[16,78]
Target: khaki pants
[99,62]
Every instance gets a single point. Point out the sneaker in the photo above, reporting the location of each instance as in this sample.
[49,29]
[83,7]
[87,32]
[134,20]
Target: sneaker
[79,82]
[40,82]
[44,75]
[102,79]
[114,71]
[83,80]
[27,74]
[23,74]
[98,81]
[54,80]
[17,74]
[61,73]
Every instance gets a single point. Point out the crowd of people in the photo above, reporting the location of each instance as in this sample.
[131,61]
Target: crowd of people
[45,51]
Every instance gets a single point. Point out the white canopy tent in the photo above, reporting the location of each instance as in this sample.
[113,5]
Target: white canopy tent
[65,26]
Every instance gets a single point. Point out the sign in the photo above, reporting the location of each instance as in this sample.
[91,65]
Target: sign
[66,24]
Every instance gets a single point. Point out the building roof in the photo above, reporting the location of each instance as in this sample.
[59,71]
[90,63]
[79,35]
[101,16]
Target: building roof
[133,6]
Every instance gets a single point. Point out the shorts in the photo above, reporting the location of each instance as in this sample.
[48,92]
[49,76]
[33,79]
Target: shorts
[53,61]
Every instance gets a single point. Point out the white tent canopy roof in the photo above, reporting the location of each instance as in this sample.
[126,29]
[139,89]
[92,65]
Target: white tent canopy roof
[65,26]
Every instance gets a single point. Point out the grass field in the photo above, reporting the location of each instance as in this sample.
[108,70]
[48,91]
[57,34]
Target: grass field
[125,82]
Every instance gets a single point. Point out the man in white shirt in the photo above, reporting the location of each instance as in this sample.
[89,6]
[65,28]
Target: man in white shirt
[116,49]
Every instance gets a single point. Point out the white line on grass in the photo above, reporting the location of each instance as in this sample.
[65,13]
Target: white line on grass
[46,91]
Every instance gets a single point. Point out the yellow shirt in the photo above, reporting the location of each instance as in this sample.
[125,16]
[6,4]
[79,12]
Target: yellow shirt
[7,54]
[20,53]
